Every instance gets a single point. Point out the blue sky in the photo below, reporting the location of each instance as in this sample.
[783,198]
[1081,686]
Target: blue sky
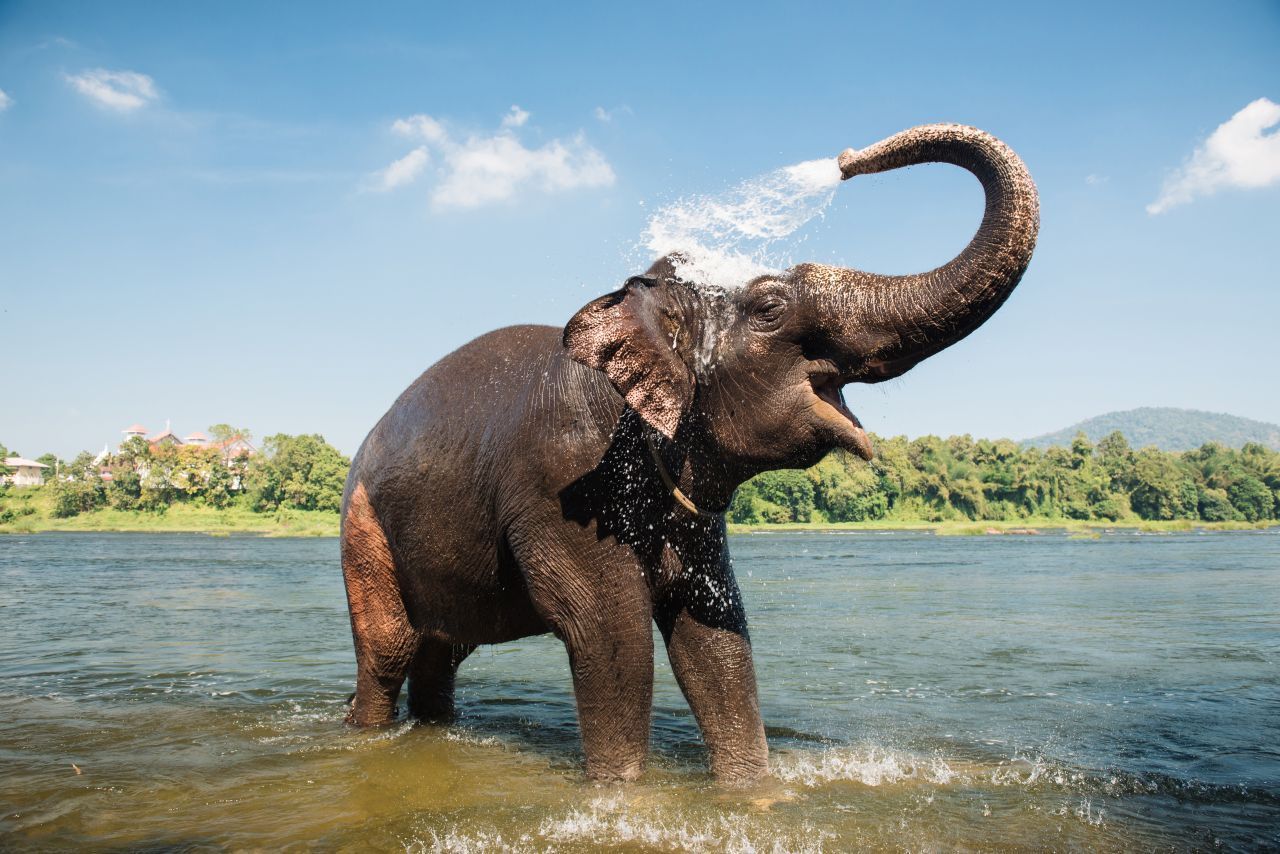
[197,221]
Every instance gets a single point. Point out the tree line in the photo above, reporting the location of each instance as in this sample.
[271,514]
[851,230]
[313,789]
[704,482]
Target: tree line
[919,480]
[936,480]
[292,472]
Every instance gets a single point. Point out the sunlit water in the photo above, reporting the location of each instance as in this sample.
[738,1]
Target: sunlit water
[921,692]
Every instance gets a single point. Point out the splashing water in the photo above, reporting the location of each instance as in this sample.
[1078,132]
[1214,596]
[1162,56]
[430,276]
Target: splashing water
[728,239]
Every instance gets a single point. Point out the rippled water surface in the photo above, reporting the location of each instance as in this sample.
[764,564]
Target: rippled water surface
[183,691]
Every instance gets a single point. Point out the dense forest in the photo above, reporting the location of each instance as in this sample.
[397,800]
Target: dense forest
[935,480]
[922,480]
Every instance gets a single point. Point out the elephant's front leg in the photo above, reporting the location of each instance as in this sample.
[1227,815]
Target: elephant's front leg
[710,653]
[596,599]
[611,655]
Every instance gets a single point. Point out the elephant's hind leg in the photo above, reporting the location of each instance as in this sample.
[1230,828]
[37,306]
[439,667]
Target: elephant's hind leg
[385,640]
[431,677]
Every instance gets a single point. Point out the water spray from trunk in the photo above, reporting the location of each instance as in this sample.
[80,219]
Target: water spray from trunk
[727,239]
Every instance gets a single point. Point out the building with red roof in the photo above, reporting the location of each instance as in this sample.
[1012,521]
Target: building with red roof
[236,446]
[165,437]
[231,448]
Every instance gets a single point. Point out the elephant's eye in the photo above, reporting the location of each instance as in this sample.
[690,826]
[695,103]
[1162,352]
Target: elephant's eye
[768,312]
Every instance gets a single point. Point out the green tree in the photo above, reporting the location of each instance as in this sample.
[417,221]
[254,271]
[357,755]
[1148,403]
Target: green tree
[54,466]
[1251,498]
[135,452]
[127,467]
[789,490]
[1004,474]
[928,454]
[896,477]
[961,448]
[72,497]
[220,487]
[225,432]
[124,492]
[1081,450]
[301,472]
[1162,489]
[847,489]
[745,507]
[1116,458]
[159,479]
[82,467]
[199,470]
[1215,506]
[1264,464]
[81,491]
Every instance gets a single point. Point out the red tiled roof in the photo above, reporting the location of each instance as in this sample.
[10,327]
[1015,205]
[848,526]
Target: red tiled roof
[136,428]
[197,437]
[228,445]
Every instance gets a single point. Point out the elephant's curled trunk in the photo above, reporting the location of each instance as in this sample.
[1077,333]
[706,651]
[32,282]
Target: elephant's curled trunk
[890,323]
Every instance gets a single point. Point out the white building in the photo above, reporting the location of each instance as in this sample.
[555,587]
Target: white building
[25,472]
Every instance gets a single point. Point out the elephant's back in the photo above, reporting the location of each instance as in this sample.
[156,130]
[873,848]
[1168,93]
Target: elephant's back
[477,383]
[456,407]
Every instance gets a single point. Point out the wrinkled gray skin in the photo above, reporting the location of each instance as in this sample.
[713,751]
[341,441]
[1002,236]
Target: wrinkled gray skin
[510,491]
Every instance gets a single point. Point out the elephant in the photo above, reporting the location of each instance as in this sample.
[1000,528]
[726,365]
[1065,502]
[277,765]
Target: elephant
[574,481]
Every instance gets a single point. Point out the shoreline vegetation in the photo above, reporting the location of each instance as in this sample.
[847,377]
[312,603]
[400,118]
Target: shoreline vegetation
[181,519]
[318,523]
[953,486]
[1025,527]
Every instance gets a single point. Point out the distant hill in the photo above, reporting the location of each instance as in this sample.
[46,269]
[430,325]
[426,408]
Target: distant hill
[1168,429]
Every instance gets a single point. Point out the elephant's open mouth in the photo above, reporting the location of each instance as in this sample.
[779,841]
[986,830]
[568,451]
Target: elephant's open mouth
[828,388]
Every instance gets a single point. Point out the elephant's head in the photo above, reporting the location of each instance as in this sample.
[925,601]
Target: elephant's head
[757,371]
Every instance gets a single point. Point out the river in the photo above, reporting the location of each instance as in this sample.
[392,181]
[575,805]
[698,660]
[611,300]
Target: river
[921,692]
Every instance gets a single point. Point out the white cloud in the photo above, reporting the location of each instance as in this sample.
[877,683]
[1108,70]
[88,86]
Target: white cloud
[5,101]
[1237,154]
[422,126]
[405,170]
[1095,180]
[484,169]
[124,91]
[516,118]
[492,169]
[609,115]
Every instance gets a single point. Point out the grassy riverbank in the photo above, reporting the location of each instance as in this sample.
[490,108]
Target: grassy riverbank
[32,512]
[1027,527]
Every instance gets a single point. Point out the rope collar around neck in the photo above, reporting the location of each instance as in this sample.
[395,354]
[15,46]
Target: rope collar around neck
[670,484]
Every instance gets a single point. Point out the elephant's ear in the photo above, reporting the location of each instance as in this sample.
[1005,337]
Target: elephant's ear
[632,336]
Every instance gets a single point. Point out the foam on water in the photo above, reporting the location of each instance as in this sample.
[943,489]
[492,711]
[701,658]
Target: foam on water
[613,821]
[727,239]
[873,766]
[616,821]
